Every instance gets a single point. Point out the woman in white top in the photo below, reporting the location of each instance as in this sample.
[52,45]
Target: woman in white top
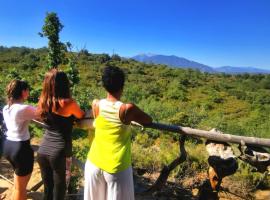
[17,149]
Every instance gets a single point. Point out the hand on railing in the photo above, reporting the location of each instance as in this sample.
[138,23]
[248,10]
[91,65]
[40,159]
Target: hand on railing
[86,122]
[136,124]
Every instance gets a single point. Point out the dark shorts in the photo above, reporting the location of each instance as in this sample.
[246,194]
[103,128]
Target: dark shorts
[20,155]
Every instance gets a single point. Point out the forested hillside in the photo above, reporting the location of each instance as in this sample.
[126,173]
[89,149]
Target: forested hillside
[235,104]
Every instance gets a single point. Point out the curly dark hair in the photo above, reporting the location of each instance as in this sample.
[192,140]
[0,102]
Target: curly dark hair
[113,79]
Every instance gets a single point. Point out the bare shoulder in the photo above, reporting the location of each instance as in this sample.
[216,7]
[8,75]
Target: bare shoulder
[134,113]
[133,109]
[95,102]
[66,102]
[95,107]
[130,106]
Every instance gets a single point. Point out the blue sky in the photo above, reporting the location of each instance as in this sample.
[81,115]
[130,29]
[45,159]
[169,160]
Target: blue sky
[212,32]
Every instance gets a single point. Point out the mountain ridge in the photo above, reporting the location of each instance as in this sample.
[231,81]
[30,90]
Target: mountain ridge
[180,62]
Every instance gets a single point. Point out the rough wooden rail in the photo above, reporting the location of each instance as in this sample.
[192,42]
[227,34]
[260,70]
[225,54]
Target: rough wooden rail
[211,135]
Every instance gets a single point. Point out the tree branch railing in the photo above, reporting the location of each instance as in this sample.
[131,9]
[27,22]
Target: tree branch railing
[211,135]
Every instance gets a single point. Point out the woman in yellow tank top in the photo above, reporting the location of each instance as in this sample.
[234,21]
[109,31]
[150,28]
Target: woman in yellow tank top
[108,171]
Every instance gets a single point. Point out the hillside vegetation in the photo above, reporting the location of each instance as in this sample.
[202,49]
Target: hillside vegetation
[235,104]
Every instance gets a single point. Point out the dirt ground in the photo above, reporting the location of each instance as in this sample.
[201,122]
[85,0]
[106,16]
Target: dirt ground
[174,189]
[184,189]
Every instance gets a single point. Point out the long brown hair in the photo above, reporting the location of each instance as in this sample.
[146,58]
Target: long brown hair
[14,90]
[55,87]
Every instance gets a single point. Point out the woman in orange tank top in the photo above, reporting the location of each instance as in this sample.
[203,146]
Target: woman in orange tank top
[58,110]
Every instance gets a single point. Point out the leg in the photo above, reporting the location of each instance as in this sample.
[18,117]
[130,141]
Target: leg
[120,185]
[58,164]
[22,159]
[47,176]
[20,183]
[68,170]
[94,183]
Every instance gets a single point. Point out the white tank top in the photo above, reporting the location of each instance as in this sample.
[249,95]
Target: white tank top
[17,118]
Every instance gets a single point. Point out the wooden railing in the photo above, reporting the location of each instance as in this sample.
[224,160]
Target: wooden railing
[212,135]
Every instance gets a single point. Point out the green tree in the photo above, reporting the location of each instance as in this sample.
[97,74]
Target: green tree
[51,30]
[102,58]
[72,71]
[116,57]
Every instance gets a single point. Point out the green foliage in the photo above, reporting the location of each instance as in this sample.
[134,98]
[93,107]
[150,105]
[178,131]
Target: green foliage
[51,29]
[72,72]
[36,131]
[81,145]
[176,96]
[177,91]
[153,154]
[247,175]
[34,95]
[102,58]
[13,74]
[76,177]
[266,82]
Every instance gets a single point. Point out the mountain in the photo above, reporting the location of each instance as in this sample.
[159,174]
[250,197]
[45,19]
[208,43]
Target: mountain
[179,62]
[241,70]
[173,61]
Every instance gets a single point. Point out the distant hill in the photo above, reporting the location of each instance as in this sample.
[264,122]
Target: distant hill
[173,61]
[180,62]
[241,70]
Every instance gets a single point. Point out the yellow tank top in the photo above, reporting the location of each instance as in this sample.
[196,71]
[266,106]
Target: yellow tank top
[111,146]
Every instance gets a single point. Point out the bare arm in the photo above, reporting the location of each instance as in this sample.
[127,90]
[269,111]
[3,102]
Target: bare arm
[95,108]
[28,113]
[130,112]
